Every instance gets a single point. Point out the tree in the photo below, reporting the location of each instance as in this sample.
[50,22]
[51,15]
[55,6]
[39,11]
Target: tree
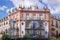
[5,37]
[58,39]
[26,37]
[53,38]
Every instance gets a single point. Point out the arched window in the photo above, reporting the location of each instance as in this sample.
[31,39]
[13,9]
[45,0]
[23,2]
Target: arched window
[6,30]
[52,31]
[34,24]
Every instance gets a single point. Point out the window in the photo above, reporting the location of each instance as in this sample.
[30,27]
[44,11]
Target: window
[45,32]
[56,24]
[52,31]
[24,15]
[15,25]
[45,24]
[40,17]
[4,23]
[12,28]
[33,17]
[22,32]
[6,30]
[22,23]
[27,16]
[56,33]
[52,23]
[34,25]
[44,15]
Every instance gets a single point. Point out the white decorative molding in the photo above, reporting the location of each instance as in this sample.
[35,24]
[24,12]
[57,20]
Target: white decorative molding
[46,29]
[22,28]
[43,16]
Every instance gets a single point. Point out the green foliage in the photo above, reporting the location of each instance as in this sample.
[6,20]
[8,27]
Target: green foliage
[53,39]
[58,39]
[26,37]
[5,37]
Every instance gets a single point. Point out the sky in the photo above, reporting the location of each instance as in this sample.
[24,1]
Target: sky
[6,5]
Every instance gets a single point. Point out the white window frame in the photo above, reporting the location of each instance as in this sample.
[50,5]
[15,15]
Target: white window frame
[27,17]
[34,17]
[40,17]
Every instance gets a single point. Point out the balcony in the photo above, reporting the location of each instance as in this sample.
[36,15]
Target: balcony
[33,29]
[52,25]
[53,34]
[14,36]
[37,28]
[56,26]
[35,33]
[37,36]
[15,20]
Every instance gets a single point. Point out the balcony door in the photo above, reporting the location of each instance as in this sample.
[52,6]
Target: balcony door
[35,30]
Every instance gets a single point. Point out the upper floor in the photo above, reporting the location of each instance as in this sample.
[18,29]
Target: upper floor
[55,22]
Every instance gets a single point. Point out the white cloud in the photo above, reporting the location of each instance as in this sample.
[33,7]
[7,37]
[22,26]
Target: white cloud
[26,3]
[3,8]
[53,5]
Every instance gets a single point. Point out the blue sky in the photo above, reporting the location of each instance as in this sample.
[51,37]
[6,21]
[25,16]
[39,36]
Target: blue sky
[4,6]
[53,5]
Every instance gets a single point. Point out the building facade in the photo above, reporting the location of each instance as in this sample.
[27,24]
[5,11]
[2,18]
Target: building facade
[34,22]
[55,26]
